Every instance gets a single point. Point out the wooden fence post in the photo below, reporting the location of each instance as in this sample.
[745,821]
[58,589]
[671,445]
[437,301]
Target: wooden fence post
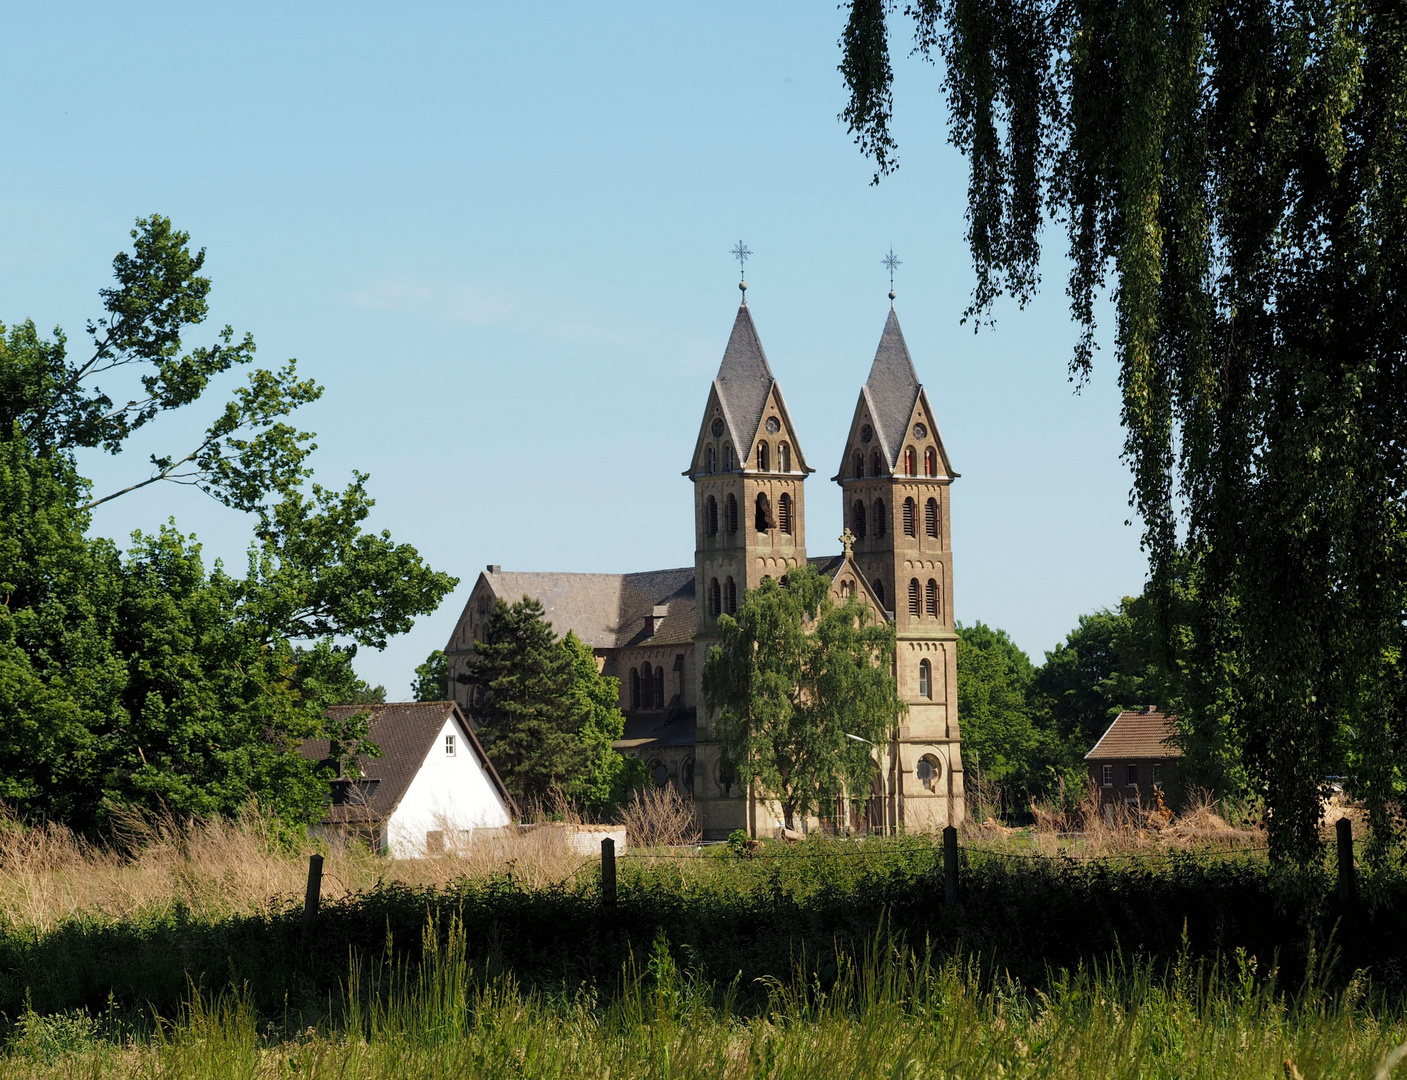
[310,900]
[950,866]
[1348,878]
[608,872]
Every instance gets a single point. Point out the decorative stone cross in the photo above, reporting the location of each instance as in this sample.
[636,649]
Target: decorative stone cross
[847,538]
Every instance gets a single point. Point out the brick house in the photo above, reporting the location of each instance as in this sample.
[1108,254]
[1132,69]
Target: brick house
[1134,758]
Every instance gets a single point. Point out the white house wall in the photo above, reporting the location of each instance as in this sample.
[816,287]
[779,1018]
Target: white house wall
[450,794]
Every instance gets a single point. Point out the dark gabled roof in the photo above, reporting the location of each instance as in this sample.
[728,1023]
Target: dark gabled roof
[743,381]
[1137,734]
[829,565]
[677,728]
[606,611]
[892,388]
[405,731]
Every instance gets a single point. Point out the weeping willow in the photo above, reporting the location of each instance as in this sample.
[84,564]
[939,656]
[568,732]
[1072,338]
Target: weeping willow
[1232,173]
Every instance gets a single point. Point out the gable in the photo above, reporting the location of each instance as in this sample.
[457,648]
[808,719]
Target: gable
[865,416]
[774,414]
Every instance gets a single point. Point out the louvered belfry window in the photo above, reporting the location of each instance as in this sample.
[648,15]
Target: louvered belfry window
[784,512]
[909,510]
[930,518]
[712,516]
[879,525]
[857,519]
[931,599]
[915,599]
[732,513]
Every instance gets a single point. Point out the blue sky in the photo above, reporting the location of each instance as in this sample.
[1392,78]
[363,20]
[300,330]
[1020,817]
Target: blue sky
[499,234]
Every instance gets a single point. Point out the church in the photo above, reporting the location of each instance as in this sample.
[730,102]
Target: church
[652,629]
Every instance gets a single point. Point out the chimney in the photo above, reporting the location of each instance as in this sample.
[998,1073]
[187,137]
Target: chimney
[494,568]
[656,616]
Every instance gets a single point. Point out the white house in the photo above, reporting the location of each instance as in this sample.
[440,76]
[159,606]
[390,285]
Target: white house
[430,790]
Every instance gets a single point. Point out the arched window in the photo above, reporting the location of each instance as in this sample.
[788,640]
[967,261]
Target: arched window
[930,462]
[730,597]
[925,679]
[715,598]
[847,588]
[732,513]
[634,689]
[910,462]
[931,599]
[879,523]
[659,687]
[728,458]
[708,460]
[762,513]
[879,592]
[764,458]
[857,465]
[647,686]
[930,518]
[915,599]
[711,516]
[857,519]
[784,456]
[784,512]
[909,514]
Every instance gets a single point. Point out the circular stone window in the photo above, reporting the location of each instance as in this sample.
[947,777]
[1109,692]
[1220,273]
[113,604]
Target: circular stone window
[717,427]
[773,425]
[920,432]
[660,772]
[929,770]
[866,433]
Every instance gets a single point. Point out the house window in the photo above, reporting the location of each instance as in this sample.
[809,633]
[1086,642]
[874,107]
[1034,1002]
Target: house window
[879,526]
[784,512]
[449,746]
[875,468]
[925,679]
[930,518]
[784,456]
[915,599]
[708,460]
[857,519]
[931,599]
[1132,776]
[910,512]
[930,462]
[434,843]
[732,514]
[858,467]
[1107,776]
[1158,772]
[910,462]
[764,458]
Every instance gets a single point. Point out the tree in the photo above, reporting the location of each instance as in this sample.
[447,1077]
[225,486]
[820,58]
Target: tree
[792,676]
[1239,168]
[608,777]
[523,678]
[432,678]
[145,678]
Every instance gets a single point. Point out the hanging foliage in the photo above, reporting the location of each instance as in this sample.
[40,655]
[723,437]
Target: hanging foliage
[1232,172]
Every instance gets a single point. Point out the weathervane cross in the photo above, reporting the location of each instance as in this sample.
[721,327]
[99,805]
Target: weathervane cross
[741,252]
[893,262]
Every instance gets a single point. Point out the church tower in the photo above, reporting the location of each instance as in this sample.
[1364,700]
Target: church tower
[749,523]
[896,480]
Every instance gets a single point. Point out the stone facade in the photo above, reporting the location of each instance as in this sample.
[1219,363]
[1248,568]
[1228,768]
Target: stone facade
[651,630]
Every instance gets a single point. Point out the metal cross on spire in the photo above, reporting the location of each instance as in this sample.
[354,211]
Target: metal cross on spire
[742,253]
[893,262]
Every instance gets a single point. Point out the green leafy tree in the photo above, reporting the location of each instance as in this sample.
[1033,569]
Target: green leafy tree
[144,678]
[608,777]
[793,675]
[1238,170]
[523,679]
[432,678]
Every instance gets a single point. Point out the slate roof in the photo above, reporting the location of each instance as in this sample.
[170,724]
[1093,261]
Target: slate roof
[607,611]
[405,731]
[678,728]
[1137,734]
[743,382]
[892,389]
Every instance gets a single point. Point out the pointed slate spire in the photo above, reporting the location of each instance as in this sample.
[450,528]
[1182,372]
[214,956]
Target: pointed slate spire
[893,388]
[743,380]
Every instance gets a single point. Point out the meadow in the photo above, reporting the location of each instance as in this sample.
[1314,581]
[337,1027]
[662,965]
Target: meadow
[179,953]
